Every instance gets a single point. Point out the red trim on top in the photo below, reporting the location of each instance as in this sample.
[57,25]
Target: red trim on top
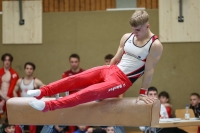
[154,38]
[144,60]
[135,70]
[137,75]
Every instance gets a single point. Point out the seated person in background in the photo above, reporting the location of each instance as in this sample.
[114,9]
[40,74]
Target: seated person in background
[6,128]
[108,58]
[90,130]
[153,93]
[81,129]
[110,130]
[58,129]
[164,99]
[195,105]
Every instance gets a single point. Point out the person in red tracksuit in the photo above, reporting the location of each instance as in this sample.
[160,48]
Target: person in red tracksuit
[137,55]
[8,79]
[74,61]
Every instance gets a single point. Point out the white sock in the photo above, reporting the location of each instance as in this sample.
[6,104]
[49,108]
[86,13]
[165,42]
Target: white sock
[34,92]
[37,104]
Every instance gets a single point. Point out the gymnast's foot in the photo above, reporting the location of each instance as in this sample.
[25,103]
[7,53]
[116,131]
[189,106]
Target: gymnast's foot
[38,105]
[35,93]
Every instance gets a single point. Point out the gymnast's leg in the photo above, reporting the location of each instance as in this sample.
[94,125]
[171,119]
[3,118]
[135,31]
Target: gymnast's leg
[78,81]
[94,92]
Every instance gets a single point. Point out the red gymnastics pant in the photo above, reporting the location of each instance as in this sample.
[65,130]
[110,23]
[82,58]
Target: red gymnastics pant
[97,83]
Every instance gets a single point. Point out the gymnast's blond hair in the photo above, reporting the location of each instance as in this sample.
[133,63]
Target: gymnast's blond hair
[139,18]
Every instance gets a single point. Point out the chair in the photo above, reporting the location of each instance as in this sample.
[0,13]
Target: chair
[180,113]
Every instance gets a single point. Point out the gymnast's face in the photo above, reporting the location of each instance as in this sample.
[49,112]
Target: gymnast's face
[74,63]
[10,129]
[152,94]
[110,130]
[194,100]
[140,31]
[29,70]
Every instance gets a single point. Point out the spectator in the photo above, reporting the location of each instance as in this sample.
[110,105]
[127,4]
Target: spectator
[164,99]
[153,93]
[90,130]
[28,82]
[8,79]
[6,128]
[195,105]
[58,129]
[81,129]
[74,61]
[110,130]
[108,58]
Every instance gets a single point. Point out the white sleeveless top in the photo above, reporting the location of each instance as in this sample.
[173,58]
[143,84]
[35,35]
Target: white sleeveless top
[133,60]
[24,88]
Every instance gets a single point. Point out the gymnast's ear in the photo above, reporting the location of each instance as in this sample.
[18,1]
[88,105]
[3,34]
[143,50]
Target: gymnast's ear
[148,25]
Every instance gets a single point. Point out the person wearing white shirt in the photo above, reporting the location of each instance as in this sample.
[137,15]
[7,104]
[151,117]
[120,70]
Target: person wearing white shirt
[153,93]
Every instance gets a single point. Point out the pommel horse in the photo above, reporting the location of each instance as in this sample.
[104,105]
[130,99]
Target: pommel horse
[109,112]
